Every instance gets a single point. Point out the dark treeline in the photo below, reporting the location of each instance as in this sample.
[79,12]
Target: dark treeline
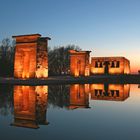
[6,57]
[6,100]
[59,95]
[58,58]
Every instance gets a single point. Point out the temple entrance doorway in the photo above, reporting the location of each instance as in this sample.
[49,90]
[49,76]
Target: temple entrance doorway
[106,68]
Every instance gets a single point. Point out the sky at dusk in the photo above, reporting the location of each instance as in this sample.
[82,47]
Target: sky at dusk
[106,27]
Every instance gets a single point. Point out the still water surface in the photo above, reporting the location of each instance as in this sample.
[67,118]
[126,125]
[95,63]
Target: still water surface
[70,112]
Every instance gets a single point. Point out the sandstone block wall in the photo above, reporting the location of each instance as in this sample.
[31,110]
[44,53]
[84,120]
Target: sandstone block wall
[31,57]
[79,63]
[109,65]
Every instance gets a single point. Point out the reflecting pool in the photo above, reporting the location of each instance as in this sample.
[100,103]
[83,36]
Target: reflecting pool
[70,112]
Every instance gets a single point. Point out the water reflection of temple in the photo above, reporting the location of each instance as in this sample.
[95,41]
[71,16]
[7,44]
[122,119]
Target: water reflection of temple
[30,104]
[115,92]
[79,96]
[79,93]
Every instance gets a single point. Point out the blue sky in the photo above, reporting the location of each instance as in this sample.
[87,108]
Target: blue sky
[106,27]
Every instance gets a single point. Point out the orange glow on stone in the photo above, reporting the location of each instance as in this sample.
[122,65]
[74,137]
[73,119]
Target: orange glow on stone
[42,73]
[76,73]
[79,63]
[87,72]
[110,65]
[31,57]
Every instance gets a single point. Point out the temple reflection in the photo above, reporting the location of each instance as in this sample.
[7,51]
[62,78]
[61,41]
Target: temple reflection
[114,92]
[79,96]
[79,93]
[30,102]
[30,106]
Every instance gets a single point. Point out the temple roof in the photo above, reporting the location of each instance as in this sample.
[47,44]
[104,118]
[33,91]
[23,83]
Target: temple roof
[109,58]
[39,35]
[29,38]
[78,52]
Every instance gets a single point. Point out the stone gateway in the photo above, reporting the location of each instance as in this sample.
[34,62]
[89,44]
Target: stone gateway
[31,56]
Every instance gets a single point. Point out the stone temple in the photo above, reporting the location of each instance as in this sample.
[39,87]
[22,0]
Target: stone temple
[81,66]
[110,65]
[31,56]
[79,63]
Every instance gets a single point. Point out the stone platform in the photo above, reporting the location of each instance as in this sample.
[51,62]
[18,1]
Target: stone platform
[121,79]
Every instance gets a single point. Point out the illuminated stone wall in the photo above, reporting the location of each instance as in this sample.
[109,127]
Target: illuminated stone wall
[115,92]
[30,106]
[79,63]
[42,59]
[110,65]
[31,58]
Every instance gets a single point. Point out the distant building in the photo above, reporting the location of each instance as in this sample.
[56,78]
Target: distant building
[79,63]
[110,65]
[31,57]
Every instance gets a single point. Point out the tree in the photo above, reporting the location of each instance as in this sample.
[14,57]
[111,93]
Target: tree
[59,60]
[6,57]
[60,98]
[6,99]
